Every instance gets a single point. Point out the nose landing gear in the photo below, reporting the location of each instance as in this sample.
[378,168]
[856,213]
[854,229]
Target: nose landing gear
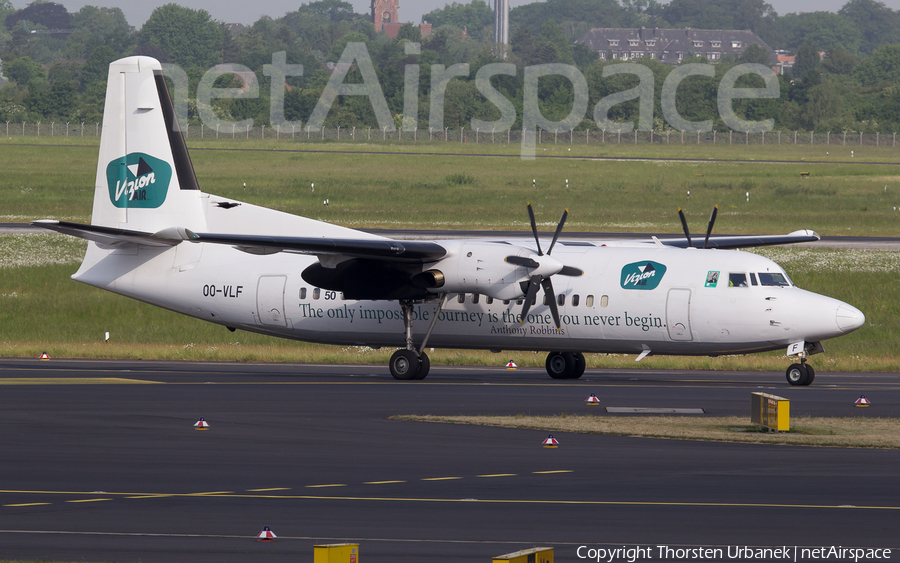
[802,373]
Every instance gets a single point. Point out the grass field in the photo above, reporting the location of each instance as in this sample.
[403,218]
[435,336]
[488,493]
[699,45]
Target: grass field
[41,308]
[805,431]
[448,191]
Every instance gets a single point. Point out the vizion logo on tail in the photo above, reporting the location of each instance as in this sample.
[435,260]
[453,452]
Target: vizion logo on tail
[138,180]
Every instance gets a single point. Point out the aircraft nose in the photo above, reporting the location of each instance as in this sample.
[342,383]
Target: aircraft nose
[849,318]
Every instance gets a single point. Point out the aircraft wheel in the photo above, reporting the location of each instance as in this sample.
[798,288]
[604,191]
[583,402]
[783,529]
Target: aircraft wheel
[580,365]
[404,365]
[797,374]
[424,367]
[810,374]
[560,366]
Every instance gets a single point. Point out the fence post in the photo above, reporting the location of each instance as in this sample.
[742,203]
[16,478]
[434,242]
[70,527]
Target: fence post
[795,137]
[698,137]
[232,130]
[52,124]
[763,139]
[845,139]
[369,134]
[323,132]
[828,138]
[384,136]
[747,140]
[682,137]
[353,133]
[248,132]
[877,136]
[217,130]
[23,128]
[556,137]
[187,130]
[493,134]
[67,128]
[811,138]
[462,136]
[895,139]
[587,136]
[7,128]
[82,128]
[293,132]
[860,133]
[571,136]
[339,133]
[477,134]
[667,137]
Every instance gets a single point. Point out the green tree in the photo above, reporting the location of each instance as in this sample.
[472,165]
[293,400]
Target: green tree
[48,14]
[475,15]
[553,34]
[575,16]
[96,69]
[755,54]
[807,59]
[883,67]
[839,61]
[409,32]
[187,37]
[99,26]
[23,71]
[755,15]
[331,10]
[825,29]
[878,23]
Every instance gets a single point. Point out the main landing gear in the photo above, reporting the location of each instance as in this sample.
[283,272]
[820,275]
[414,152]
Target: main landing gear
[565,365]
[802,373]
[412,363]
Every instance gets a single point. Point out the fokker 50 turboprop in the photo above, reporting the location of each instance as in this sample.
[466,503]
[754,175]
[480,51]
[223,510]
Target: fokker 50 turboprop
[156,237]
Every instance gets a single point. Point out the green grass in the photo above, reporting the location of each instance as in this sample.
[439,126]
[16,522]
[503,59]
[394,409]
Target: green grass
[445,190]
[805,430]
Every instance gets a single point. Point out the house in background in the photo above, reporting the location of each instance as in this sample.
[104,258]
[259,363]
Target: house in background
[386,17]
[670,46]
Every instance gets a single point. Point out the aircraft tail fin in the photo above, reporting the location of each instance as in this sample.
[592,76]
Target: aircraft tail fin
[145,178]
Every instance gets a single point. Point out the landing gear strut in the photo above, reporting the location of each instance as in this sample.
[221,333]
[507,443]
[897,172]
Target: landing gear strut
[565,365]
[802,373]
[412,363]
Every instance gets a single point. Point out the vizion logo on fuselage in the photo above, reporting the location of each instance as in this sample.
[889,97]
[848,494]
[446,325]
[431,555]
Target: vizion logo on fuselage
[642,275]
[138,180]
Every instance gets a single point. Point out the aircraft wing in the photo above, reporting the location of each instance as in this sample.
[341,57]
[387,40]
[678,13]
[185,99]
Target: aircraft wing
[745,241]
[384,249]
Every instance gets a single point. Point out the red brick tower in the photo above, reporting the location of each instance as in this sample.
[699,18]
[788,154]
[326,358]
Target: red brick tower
[385,11]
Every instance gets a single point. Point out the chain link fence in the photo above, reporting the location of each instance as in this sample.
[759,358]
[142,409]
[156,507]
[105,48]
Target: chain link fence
[467,136]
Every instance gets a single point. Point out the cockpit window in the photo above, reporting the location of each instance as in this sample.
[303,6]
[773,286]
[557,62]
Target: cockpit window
[737,280]
[773,279]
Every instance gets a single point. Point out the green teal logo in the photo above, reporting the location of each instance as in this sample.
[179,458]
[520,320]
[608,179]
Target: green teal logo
[642,275]
[138,181]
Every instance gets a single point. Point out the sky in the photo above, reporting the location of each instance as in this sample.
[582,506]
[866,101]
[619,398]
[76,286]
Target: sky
[137,11]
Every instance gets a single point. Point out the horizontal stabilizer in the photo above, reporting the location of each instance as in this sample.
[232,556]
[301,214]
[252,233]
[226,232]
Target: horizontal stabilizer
[746,241]
[109,237]
[382,249]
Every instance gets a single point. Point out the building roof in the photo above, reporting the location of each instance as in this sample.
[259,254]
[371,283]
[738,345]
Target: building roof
[671,45]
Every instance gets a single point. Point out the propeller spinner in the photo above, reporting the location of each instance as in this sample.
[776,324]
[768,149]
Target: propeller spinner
[543,268]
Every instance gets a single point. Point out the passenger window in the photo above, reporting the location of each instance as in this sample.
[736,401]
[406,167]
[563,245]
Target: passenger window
[316,293]
[773,279]
[506,301]
[575,300]
[534,301]
[474,298]
[302,293]
[604,301]
[752,279]
[461,298]
[488,300]
[737,280]
[589,301]
[561,300]
[520,301]
[546,300]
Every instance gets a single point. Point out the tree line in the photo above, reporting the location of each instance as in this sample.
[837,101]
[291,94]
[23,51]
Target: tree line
[56,63]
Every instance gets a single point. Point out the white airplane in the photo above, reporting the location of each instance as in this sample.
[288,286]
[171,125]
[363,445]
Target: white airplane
[155,237]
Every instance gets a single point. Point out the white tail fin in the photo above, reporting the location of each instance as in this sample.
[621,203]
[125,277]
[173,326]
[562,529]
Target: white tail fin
[145,179]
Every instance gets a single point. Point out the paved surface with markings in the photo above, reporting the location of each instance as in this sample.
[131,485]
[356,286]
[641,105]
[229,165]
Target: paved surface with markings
[101,463]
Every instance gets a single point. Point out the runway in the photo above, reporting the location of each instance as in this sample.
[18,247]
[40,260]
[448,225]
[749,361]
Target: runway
[101,463]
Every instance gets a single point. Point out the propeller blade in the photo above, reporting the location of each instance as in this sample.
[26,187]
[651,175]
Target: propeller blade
[533,285]
[522,261]
[570,271]
[534,229]
[712,221]
[687,233]
[548,291]
[559,228]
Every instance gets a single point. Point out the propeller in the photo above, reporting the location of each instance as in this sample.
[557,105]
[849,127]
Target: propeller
[709,228]
[544,266]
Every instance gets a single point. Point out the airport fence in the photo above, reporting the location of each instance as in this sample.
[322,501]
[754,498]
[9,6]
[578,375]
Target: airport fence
[477,136]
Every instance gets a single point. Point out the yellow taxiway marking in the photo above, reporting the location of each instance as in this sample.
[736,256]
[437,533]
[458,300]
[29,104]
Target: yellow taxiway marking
[151,496]
[382,482]
[323,486]
[549,472]
[29,504]
[266,490]
[225,494]
[73,381]
[441,478]
[214,493]
[498,475]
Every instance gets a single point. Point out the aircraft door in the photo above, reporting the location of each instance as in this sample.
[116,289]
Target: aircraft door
[270,300]
[678,315]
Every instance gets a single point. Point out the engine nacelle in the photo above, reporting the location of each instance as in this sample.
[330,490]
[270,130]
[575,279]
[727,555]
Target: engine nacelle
[476,267]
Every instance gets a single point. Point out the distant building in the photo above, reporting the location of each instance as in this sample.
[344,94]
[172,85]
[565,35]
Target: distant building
[501,22]
[386,17]
[671,46]
[785,62]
